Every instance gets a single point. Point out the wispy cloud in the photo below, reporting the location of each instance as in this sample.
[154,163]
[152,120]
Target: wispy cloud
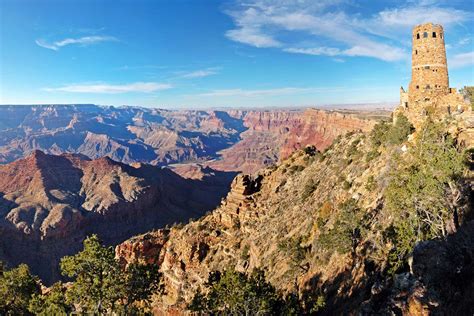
[461,60]
[270,23]
[144,87]
[329,51]
[86,40]
[200,73]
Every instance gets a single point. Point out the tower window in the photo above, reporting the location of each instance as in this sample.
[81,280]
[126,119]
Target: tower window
[416,52]
[434,34]
[441,35]
[418,36]
[425,34]
[427,67]
[418,87]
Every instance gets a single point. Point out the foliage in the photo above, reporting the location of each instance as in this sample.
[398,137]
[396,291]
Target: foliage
[17,286]
[310,150]
[384,133]
[378,134]
[352,150]
[97,287]
[234,293]
[245,253]
[372,154]
[371,184]
[418,195]
[52,303]
[347,230]
[468,93]
[101,286]
[293,249]
[140,282]
[309,188]
[296,168]
[398,133]
[346,185]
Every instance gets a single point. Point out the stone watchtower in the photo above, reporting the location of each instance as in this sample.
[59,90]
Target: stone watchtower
[429,69]
[429,90]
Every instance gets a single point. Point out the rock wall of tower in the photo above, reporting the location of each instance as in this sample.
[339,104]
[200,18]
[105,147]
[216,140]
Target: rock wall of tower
[429,67]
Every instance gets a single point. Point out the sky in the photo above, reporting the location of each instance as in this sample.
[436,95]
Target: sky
[232,53]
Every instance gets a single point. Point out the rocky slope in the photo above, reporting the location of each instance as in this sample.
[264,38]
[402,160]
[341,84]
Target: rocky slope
[226,140]
[319,222]
[49,203]
[274,135]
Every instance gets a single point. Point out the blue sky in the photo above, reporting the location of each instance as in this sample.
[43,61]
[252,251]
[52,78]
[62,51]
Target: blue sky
[205,53]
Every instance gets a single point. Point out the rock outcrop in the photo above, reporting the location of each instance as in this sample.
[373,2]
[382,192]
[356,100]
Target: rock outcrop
[285,220]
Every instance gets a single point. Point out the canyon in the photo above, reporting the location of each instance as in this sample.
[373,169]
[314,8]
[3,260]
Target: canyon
[72,170]
[50,203]
[228,140]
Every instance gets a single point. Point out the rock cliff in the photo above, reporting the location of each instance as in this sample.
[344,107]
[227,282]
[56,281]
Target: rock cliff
[274,135]
[49,203]
[317,221]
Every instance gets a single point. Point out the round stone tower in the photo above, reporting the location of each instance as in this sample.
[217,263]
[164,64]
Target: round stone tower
[429,76]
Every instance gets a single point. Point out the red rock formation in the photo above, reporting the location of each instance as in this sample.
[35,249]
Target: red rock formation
[274,135]
[48,204]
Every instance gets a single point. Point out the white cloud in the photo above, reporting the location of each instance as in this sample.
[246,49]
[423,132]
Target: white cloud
[461,60]
[145,87]
[200,73]
[265,23]
[252,37]
[380,51]
[328,51]
[86,40]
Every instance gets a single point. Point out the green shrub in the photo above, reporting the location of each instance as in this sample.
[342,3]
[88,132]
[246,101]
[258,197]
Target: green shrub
[292,248]
[309,188]
[384,133]
[17,287]
[371,184]
[398,133]
[234,293]
[346,185]
[418,194]
[245,253]
[372,154]
[347,231]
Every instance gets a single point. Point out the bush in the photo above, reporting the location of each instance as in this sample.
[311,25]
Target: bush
[347,230]
[309,188]
[352,150]
[235,293]
[371,155]
[419,192]
[346,185]
[371,184]
[17,287]
[399,131]
[52,303]
[245,253]
[468,93]
[292,248]
[391,134]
